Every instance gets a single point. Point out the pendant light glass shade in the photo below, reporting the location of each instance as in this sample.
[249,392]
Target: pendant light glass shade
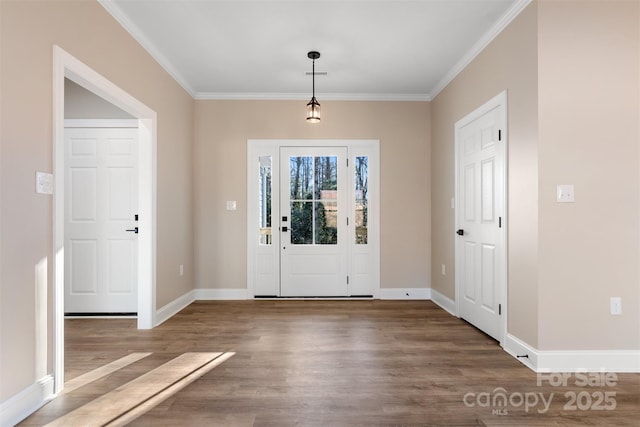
[313,111]
[313,107]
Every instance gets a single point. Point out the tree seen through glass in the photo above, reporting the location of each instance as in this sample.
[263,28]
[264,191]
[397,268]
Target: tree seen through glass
[313,197]
[265,200]
[362,200]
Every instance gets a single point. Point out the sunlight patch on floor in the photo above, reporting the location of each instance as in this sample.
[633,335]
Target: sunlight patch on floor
[138,396]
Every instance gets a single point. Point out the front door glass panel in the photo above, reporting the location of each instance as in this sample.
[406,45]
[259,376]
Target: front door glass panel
[313,200]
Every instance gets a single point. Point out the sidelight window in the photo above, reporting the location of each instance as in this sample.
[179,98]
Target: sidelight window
[362,199]
[265,200]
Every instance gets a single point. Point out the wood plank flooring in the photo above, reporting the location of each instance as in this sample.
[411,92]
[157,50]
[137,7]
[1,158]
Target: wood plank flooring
[334,363]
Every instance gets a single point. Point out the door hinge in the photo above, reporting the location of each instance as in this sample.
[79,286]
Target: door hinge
[347,221]
[499,222]
[347,280]
[347,162]
[499,134]
[499,309]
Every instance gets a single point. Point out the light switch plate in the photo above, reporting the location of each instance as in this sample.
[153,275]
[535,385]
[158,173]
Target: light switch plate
[615,308]
[44,183]
[565,193]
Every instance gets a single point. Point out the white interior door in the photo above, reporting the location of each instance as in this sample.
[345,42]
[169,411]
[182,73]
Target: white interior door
[100,209]
[313,226]
[480,263]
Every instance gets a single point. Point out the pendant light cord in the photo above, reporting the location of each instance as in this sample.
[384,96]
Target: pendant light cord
[313,77]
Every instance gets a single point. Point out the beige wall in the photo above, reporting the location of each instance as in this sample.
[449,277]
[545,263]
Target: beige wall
[589,76]
[572,73]
[79,103]
[509,62]
[222,130]
[28,31]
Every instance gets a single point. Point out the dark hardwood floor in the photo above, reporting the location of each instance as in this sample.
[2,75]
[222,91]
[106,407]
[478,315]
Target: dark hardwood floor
[335,363]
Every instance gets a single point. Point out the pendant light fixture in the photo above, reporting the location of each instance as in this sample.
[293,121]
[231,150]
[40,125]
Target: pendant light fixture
[313,107]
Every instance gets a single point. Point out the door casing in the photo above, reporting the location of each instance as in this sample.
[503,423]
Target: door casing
[67,66]
[263,261]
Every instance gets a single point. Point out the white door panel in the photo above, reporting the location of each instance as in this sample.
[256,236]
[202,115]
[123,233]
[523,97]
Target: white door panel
[121,193]
[82,184]
[101,204]
[83,278]
[121,265]
[480,210]
[314,203]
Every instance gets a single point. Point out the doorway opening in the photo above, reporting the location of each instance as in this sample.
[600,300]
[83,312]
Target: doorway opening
[67,66]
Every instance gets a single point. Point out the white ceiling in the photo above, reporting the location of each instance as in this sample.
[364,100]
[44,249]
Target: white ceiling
[382,50]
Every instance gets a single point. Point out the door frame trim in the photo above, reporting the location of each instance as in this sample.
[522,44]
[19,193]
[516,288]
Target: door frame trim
[67,66]
[271,147]
[499,100]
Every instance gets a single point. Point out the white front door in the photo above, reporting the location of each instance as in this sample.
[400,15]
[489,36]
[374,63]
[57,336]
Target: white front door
[101,182]
[480,251]
[313,221]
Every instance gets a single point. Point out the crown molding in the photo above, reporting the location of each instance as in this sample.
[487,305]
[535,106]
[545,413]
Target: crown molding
[480,45]
[262,96]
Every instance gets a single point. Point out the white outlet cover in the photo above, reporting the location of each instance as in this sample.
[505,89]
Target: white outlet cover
[231,205]
[565,193]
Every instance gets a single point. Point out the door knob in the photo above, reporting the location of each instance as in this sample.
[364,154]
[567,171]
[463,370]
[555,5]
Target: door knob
[460,232]
[133,230]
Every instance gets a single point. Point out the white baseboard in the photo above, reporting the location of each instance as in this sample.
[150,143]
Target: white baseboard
[515,347]
[29,400]
[220,294]
[444,302]
[166,312]
[589,361]
[405,293]
[243,294]
[573,360]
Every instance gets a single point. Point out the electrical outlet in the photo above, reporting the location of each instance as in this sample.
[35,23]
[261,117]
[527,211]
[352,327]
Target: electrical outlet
[615,306]
[182,269]
[443,269]
[565,193]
